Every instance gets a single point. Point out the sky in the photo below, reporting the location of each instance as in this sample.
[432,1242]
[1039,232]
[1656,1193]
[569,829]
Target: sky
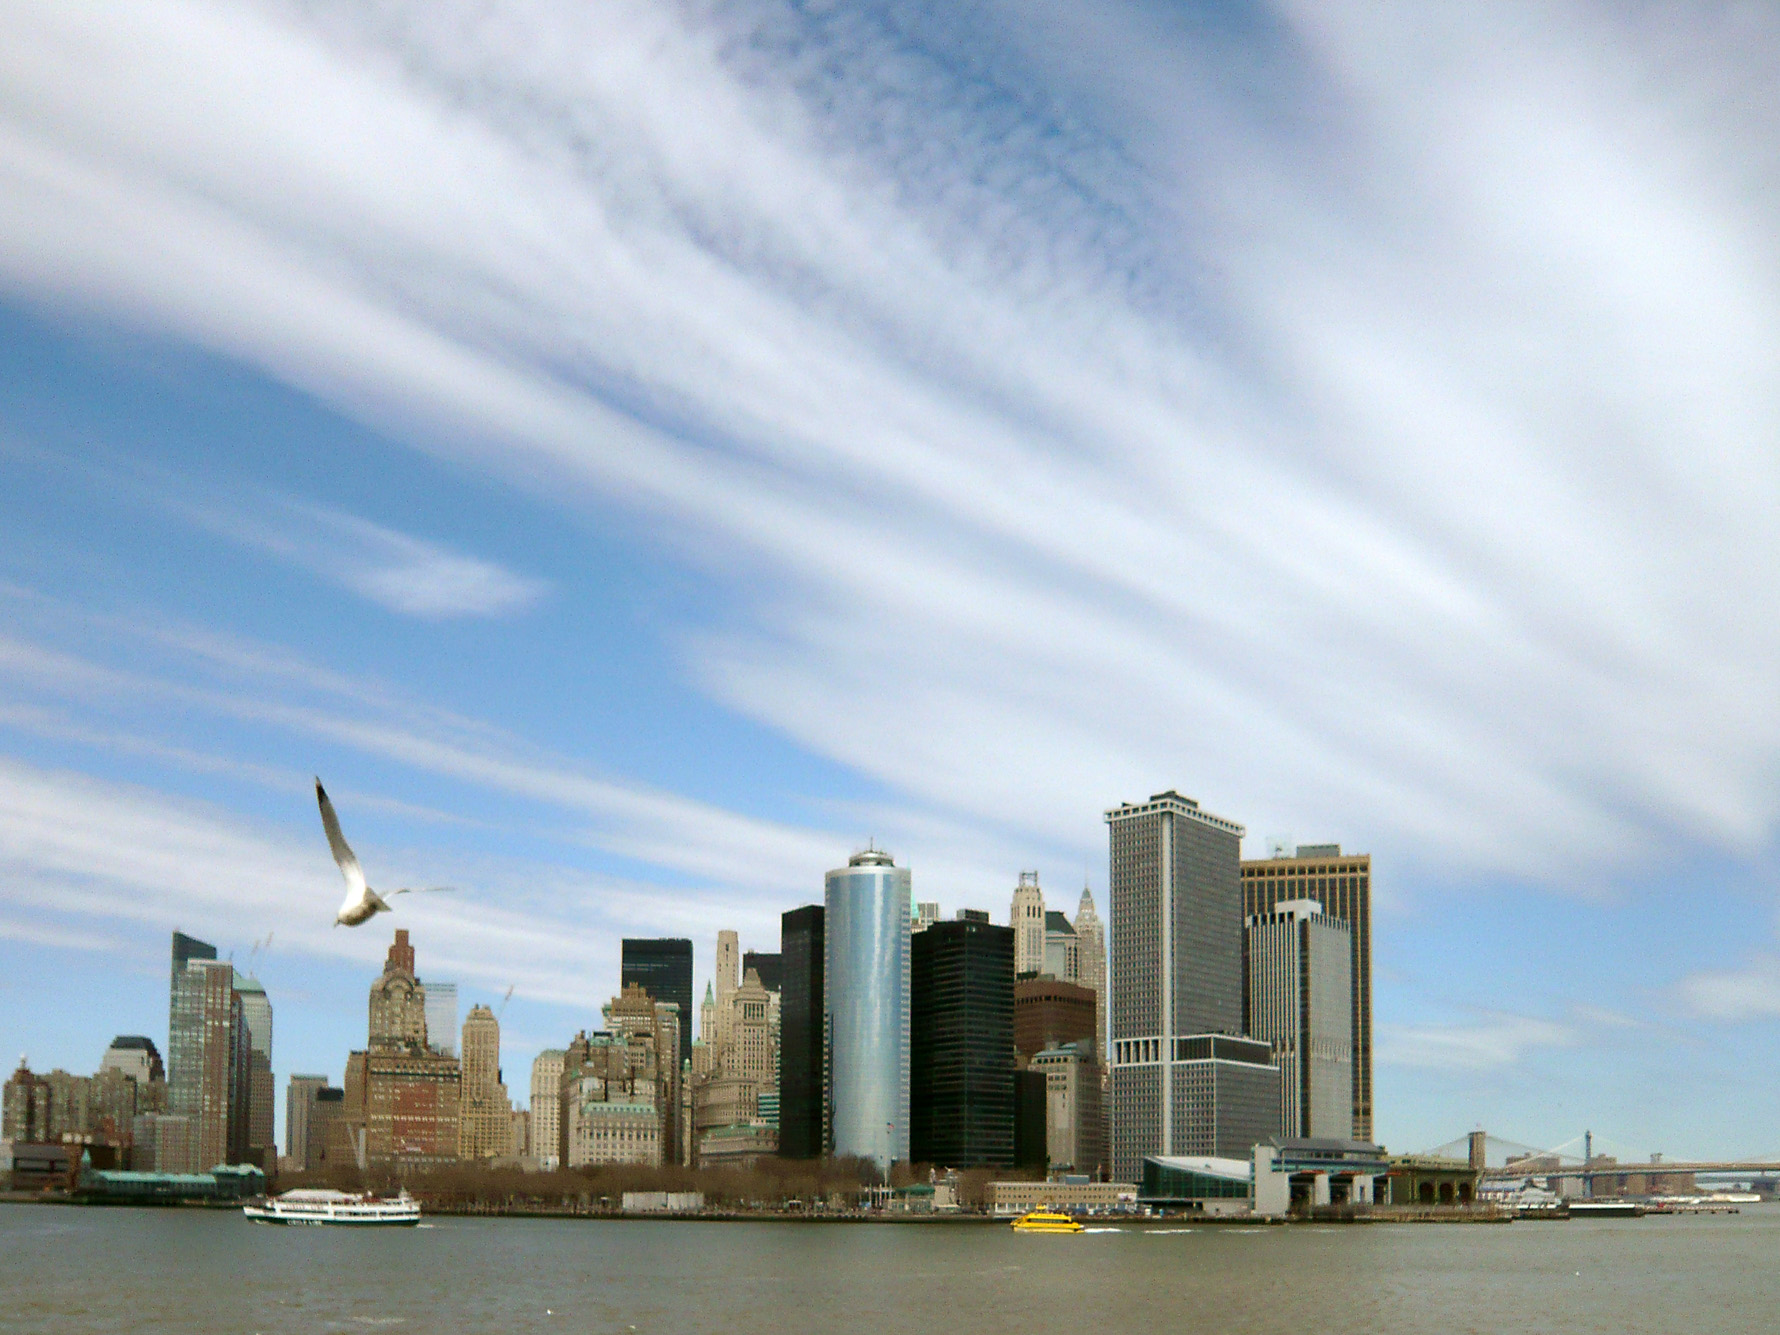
[639,453]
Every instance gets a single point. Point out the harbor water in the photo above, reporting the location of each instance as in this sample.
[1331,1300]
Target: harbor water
[74,1270]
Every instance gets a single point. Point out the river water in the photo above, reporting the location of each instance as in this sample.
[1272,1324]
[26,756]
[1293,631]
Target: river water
[76,1270]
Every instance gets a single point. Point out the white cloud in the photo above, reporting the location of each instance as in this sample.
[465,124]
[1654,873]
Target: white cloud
[1492,1042]
[1733,995]
[395,570]
[75,851]
[1403,479]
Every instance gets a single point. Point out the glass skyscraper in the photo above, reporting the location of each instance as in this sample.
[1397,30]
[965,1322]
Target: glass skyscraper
[441,1017]
[961,1030]
[254,1085]
[662,967]
[866,1007]
[802,954]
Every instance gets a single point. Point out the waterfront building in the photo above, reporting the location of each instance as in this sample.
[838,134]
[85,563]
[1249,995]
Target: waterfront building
[1061,953]
[866,1007]
[256,1085]
[135,1056]
[614,1089]
[961,1045]
[485,1115]
[402,1098]
[27,1107]
[199,1045]
[207,1055]
[925,916]
[662,967]
[1342,884]
[1074,1196]
[635,1015]
[519,1134]
[441,1018]
[1027,917]
[160,1143]
[546,1107]
[299,1099]
[728,1095]
[1300,1001]
[1183,1081]
[114,1100]
[1074,1119]
[1090,938]
[802,1076]
[1048,1012]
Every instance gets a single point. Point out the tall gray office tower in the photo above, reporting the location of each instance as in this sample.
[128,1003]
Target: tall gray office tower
[866,1007]
[1184,1079]
[1300,1001]
[255,1087]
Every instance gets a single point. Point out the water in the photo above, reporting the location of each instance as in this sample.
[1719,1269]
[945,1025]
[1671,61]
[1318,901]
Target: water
[74,1270]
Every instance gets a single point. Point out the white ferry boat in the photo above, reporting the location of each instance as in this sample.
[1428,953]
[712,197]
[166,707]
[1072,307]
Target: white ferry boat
[310,1206]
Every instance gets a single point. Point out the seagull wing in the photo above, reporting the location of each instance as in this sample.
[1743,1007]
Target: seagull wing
[343,855]
[423,890]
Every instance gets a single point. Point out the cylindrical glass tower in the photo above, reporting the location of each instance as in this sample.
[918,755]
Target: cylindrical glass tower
[866,1007]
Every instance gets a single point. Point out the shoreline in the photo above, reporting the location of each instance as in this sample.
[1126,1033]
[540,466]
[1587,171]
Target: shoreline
[1407,1215]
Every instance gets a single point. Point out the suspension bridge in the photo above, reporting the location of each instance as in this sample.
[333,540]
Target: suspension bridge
[1583,1158]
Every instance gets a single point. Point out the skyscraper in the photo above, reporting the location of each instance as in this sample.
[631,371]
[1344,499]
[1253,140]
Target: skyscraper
[441,1018]
[770,968]
[185,1052]
[1090,937]
[1184,1081]
[546,1129]
[1300,1001]
[662,967]
[961,1045]
[1343,886]
[204,1031]
[1027,917]
[402,1097]
[726,974]
[802,1080]
[485,1116]
[257,1085]
[299,1102]
[866,1007]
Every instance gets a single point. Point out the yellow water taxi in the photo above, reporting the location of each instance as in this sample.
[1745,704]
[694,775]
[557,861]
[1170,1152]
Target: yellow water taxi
[1045,1221]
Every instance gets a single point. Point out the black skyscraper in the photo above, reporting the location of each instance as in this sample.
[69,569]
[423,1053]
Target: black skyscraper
[769,967]
[961,1046]
[662,966]
[802,1124]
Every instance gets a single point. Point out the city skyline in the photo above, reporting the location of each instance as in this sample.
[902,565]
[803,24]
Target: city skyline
[903,426]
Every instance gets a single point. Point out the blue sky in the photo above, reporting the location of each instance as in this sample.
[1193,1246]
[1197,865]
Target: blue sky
[636,453]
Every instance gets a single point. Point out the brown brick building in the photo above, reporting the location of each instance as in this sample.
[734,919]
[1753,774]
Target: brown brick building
[402,1097]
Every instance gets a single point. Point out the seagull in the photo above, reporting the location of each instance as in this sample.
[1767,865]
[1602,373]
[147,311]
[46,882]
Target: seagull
[361,903]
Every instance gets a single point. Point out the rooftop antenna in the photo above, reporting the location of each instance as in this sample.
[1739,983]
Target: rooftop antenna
[502,1008]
